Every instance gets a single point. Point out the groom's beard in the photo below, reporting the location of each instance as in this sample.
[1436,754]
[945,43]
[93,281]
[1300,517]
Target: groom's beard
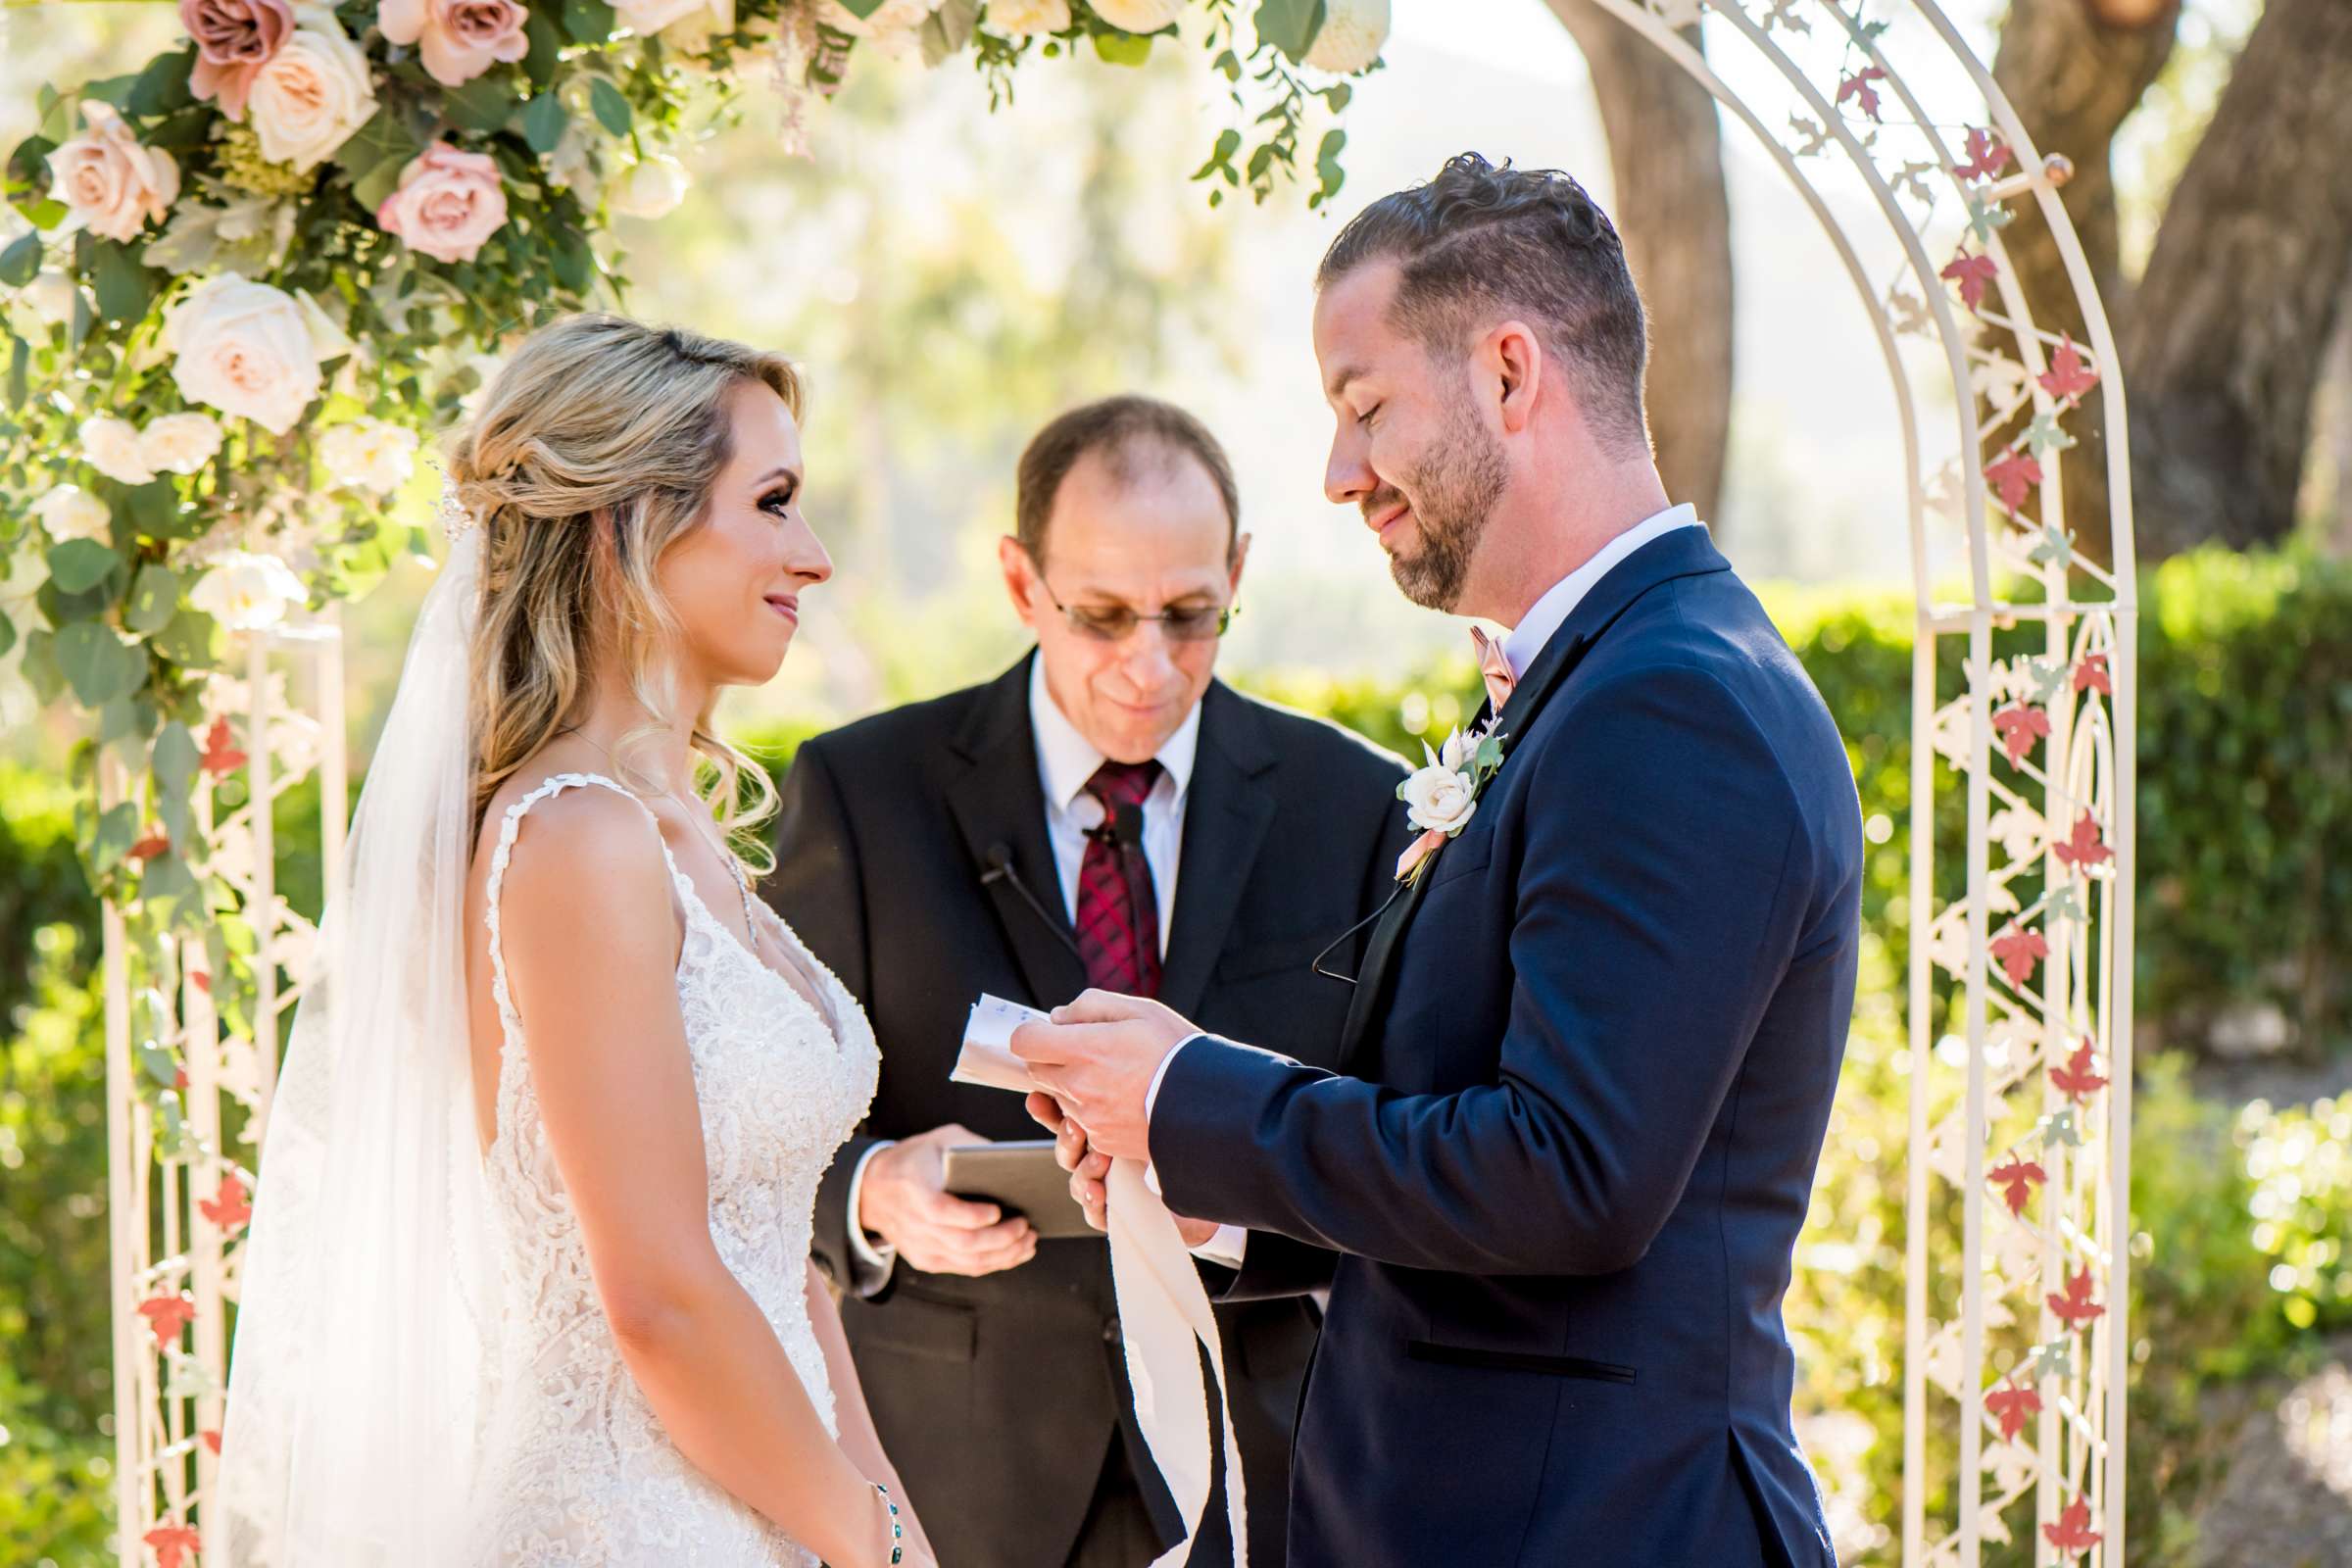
[1455,486]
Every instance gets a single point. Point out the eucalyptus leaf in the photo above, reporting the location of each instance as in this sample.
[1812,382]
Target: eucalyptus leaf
[483,104]
[191,639]
[118,831]
[546,49]
[175,760]
[154,599]
[80,564]
[98,665]
[19,369]
[163,86]
[20,263]
[1289,26]
[861,9]
[124,287]
[1123,48]
[588,20]
[41,668]
[612,108]
[8,635]
[543,123]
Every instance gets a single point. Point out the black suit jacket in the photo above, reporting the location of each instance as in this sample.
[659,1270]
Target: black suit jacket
[1591,1066]
[997,1398]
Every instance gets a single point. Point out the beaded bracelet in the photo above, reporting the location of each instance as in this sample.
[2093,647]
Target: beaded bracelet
[898,1532]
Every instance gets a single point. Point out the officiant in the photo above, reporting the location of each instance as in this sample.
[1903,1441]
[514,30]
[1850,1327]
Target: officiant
[1108,813]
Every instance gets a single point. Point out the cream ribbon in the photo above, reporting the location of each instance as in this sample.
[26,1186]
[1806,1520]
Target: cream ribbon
[1164,1312]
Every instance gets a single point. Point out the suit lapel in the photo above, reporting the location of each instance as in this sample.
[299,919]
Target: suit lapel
[1227,811]
[1686,552]
[998,803]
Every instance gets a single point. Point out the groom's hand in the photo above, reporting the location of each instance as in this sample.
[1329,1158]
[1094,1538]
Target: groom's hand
[1089,1169]
[1098,1058]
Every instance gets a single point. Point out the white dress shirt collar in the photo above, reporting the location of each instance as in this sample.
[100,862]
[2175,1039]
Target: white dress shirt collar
[1546,615]
[1066,760]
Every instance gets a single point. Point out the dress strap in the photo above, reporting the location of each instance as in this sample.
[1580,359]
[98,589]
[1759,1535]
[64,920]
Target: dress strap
[554,784]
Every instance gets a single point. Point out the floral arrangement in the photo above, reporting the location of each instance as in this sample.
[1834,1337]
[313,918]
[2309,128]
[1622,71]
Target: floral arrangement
[1441,798]
[251,273]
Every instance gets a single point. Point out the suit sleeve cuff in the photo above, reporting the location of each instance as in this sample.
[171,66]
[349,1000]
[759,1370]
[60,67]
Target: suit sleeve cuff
[871,1261]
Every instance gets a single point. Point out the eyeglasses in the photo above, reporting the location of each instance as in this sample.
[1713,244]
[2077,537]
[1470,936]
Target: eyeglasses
[1112,623]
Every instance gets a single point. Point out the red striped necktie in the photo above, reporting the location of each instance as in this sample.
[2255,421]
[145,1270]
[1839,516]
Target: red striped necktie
[1118,910]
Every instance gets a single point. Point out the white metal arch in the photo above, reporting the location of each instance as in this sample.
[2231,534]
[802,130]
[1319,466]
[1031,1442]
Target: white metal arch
[2042,1411]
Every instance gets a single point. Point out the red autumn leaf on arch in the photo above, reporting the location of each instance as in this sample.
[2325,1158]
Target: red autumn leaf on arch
[228,1209]
[148,848]
[2012,1405]
[2078,1079]
[2083,848]
[2073,1306]
[172,1542]
[1858,87]
[2068,377]
[1973,274]
[2090,675]
[2017,1178]
[201,981]
[166,1315]
[2021,727]
[2072,1534]
[2017,950]
[212,1440]
[1988,156]
[220,756]
[2012,476]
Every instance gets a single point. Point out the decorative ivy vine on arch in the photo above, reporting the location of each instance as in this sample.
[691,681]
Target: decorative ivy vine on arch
[254,273]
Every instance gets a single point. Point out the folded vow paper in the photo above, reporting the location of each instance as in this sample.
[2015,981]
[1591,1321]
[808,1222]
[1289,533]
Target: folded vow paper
[1164,1312]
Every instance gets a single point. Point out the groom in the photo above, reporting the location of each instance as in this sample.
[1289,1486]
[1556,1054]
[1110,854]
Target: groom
[1555,1184]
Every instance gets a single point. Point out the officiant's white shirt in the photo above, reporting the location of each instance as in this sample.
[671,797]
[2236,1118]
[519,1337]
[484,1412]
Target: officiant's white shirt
[1525,641]
[1065,762]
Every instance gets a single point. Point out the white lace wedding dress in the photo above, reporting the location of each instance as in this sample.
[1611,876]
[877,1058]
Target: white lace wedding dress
[577,1469]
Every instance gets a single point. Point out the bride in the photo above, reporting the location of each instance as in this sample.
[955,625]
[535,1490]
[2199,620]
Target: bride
[529,1277]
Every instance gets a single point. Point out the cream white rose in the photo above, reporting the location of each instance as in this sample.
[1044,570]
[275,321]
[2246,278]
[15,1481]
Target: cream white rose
[50,296]
[652,188]
[246,592]
[69,511]
[313,94]
[1350,37]
[1438,800]
[108,180]
[369,455]
[112,446]
[690,35]
[1139,16]
[1022,16]
[179,443]
[245,349]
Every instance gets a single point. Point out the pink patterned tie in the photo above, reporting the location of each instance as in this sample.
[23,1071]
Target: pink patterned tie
[1495,667]
[1118,912]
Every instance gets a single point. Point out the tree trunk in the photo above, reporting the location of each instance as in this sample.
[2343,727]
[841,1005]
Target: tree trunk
[2232,321]
[1671,207]
[2075,69]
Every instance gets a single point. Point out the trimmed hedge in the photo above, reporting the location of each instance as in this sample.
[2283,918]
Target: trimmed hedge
[2245,774]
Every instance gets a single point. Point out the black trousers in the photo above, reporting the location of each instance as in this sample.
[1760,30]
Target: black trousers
[1119,1532]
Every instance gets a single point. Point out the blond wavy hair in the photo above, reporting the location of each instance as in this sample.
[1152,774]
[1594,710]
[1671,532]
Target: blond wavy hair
[595,450]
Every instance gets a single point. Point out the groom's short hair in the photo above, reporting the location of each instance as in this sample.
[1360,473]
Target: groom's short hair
[1480,243]
[1133,435]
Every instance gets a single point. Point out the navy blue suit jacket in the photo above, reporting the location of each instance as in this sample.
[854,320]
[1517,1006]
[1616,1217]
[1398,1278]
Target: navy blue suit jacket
[1555,1188]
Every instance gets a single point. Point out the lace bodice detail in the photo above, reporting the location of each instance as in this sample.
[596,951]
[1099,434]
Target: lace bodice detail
[578,1469]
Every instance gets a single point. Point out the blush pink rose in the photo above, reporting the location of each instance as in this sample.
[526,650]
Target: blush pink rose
[457,39]
[108,180]
[446,203]
[235,39]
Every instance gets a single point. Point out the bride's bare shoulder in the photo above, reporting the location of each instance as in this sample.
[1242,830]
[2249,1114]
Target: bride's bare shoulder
[577,852]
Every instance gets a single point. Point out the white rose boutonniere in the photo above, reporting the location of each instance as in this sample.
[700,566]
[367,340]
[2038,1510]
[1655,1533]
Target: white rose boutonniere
[1440,799]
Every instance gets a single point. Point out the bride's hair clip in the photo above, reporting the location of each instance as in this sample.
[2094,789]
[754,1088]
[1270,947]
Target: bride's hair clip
[457,519]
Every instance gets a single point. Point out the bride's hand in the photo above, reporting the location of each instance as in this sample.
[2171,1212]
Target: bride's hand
[1090,1170]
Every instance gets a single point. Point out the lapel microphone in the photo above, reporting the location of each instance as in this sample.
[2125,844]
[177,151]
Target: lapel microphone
[996,865]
